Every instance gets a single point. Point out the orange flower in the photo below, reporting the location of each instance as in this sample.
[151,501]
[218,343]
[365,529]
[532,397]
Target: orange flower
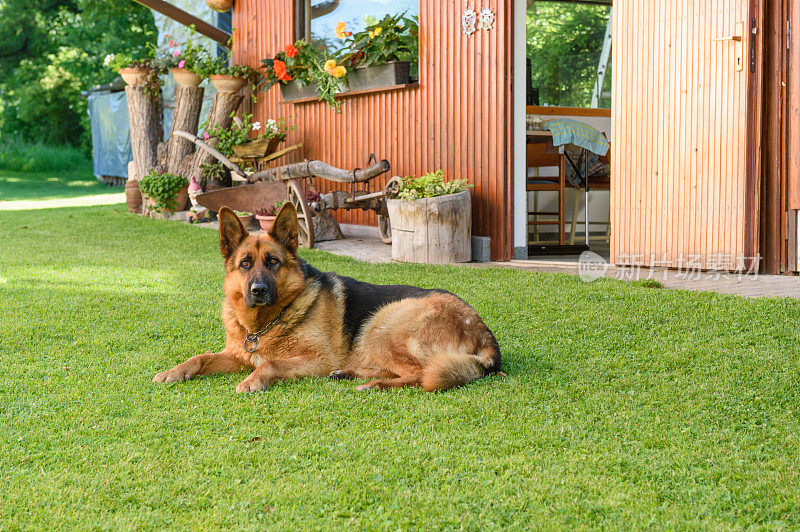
[340,30]
[280,71]
[291,51]
[339,72]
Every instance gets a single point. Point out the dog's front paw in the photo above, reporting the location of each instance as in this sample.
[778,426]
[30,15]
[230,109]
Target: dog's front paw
[176,374]
[252,386]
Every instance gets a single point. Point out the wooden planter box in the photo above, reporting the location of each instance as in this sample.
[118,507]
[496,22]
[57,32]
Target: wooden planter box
[432,230]
[376,76]
[256,148]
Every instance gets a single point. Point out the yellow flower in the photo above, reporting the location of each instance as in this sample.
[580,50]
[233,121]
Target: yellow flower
[339,72]
[340,29]
[372,35]
[330,64]
[378,30]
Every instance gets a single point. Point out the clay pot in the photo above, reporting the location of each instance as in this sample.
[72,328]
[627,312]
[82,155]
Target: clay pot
[133,196]
[185,77]
[182,198]
[220,5]
[227,83]
[247,220]
[266,222]
[134,76]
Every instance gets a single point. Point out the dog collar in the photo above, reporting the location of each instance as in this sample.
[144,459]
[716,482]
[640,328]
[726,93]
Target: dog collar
[252,338]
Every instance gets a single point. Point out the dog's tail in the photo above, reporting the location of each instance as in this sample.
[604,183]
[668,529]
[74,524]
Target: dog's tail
[455,368]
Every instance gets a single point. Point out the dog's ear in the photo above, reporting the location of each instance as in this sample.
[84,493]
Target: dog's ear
[284,230]
[231,232]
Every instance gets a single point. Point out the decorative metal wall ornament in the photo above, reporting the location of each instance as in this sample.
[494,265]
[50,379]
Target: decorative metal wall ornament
[486,19]
[469,19]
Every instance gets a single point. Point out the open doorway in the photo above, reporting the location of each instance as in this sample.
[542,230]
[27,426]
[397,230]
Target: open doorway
[563,128]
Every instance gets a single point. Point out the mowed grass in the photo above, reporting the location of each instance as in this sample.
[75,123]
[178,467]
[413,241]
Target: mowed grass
[626,406]
[51,185]
[39,172]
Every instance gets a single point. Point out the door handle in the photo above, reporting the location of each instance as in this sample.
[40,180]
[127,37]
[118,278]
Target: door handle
[738,40]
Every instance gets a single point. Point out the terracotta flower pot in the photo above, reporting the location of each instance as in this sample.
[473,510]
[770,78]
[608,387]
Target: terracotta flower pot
[246,219]
[266,222]
[133,196]
[134,76]
[227,83]
[185,77]
[182,198]
[220,5]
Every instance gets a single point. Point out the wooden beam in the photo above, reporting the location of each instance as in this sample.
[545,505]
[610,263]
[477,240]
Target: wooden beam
[187,19]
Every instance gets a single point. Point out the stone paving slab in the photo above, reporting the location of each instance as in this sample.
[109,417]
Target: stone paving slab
[775,286]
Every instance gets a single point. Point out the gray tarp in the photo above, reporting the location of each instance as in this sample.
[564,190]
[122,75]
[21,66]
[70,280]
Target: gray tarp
[111,143]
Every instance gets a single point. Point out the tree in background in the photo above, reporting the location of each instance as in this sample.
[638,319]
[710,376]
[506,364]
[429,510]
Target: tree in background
[564,45]
[51,50]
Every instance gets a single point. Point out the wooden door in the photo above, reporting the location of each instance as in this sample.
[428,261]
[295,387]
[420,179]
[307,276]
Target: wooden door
[684,154]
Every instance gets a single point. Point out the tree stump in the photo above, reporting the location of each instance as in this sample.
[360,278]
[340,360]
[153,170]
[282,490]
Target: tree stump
[431,230]
[188,102]
[224,105]
[144,118]
[326,227]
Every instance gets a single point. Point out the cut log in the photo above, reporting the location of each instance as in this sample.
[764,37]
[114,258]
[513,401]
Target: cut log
[225,104]
[326,227]
[188,102]
[320,169]
[144,117]
[431,230]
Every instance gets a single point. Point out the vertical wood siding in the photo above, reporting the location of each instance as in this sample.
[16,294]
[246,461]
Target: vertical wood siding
[456,120]
[679,161]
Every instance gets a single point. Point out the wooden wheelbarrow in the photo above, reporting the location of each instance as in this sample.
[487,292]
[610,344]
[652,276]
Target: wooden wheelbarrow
[265,187]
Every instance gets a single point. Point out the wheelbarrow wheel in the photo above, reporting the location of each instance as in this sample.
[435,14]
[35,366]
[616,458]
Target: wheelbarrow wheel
[385,229]
[305,215]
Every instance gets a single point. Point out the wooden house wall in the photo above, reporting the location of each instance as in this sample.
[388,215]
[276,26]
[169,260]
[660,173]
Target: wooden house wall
[457,119]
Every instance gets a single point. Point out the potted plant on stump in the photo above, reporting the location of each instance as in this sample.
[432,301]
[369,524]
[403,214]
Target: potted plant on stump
[431,220]
[137,73]
[186,62]
[164,193]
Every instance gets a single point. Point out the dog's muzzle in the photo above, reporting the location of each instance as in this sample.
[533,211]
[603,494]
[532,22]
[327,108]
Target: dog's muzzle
[260,293]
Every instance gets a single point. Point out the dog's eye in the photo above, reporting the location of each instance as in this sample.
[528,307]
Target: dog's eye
[245,264]
[272,262]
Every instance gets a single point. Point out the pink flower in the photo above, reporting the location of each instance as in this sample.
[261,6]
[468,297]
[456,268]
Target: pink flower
[206,136]
[181,63]
[176,53]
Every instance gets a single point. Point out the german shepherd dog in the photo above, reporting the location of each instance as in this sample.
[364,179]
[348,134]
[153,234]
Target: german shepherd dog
[286,320]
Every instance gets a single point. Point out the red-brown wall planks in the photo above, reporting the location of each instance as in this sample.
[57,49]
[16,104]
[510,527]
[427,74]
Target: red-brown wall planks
[457,119]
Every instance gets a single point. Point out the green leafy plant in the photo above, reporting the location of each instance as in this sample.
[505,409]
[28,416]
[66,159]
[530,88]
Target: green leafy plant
[152,86]
[393,38]
[163,189]
[213,170]
[431,185]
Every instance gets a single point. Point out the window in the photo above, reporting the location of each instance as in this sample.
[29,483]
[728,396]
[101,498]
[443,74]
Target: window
[317,19]
[565,54]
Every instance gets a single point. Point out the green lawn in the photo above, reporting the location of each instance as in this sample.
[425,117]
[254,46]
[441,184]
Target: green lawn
[626,406]
[51,184]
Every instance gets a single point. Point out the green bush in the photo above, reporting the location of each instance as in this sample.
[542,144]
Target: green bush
[21,156]
[431,185]
[162,189]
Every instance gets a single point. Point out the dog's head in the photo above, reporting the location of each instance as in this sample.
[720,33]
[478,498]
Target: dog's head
[261,271]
